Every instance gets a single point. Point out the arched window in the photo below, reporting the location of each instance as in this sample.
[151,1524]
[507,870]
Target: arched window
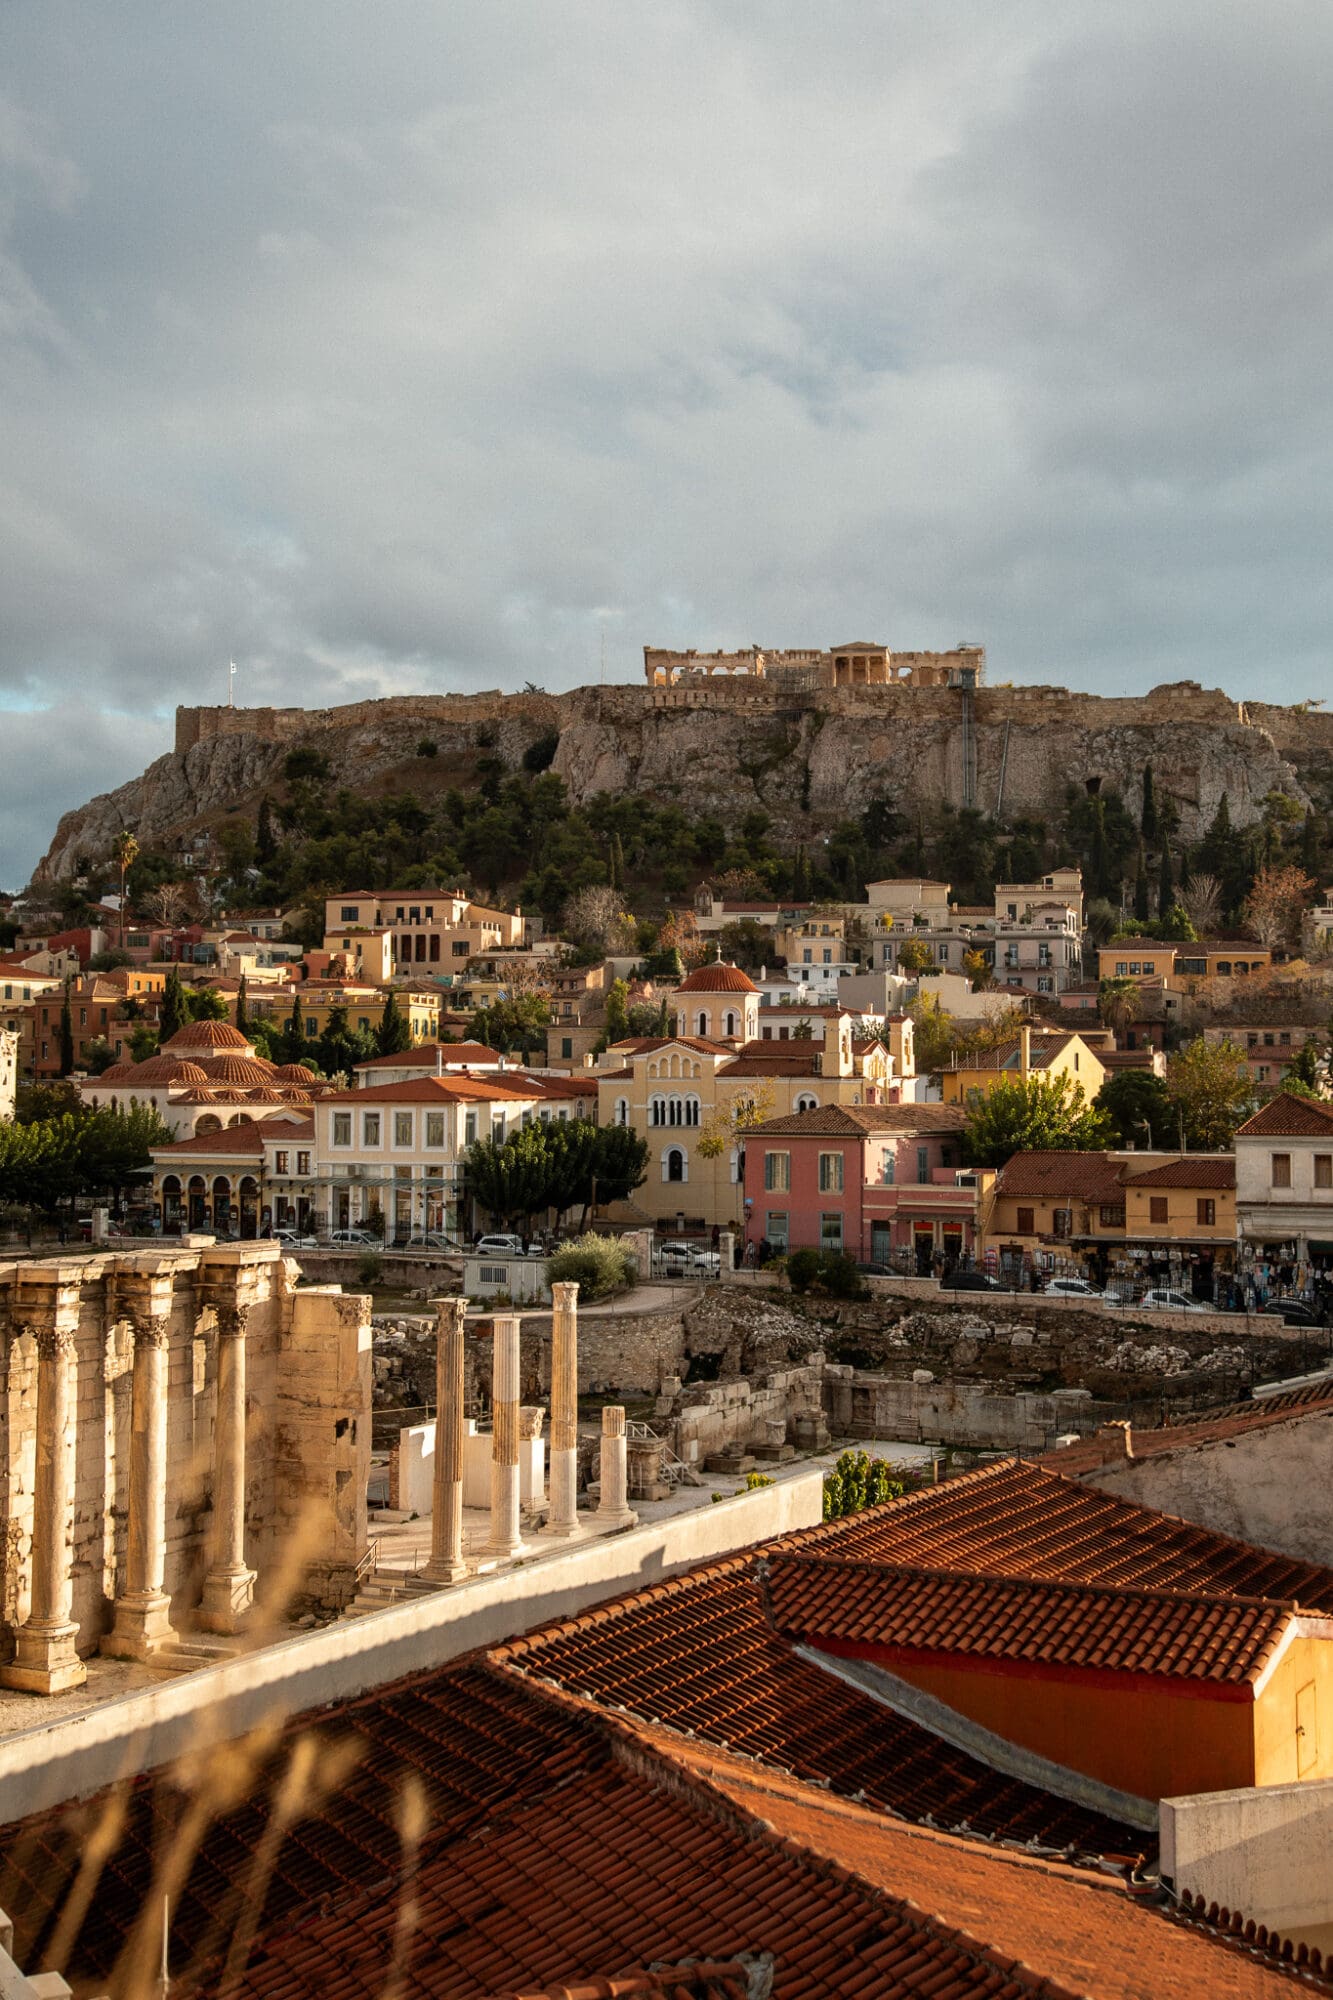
[729,1023]
[675,1165]
[807,1101]
[622,1111]
[691,1111]
[210,1122]
[676,1110]
[701,1023]
[657,1111]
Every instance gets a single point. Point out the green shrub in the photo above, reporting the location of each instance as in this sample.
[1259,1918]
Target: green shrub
[369,1271]
[754,1480]
[858,1481]
[830,1271]
[599,1265]
[428,747]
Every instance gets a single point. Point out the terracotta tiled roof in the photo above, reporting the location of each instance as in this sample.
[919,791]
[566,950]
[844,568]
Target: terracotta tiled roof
[242,1138]
[1186,1173]
[1288,1117]
[1223,1426]
[692,1979]
[211,1035]
[1019,1520]
[700,1653]
[644,1045]
[1045,1046]
[461,1055]
[717,979]
[1078,1176]
[452,1087]
[857,1120]
[893,1610]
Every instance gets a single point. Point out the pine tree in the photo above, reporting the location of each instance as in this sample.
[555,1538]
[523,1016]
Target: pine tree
[173,1012]
[393,1035]
[1166,884]
[66,1034]
[1141,888]
[1148,823]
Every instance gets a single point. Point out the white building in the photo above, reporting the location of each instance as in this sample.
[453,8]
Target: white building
[1284,1181]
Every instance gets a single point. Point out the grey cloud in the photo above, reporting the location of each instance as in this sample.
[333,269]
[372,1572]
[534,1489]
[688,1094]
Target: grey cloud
[414,351]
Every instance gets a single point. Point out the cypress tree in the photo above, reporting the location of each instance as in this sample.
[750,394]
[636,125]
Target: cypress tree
[293,1035]
[66,1034]
[266,841]
[1141,888]
[1148,823]
[393,1035]
[242,1010]
[1166,885]
[173,1012]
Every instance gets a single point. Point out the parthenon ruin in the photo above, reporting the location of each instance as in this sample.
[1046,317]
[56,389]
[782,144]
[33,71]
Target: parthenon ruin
[857,663]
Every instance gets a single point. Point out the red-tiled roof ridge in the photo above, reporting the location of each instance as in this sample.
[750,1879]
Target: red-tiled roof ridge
[688,1979]
[1286,1116]
[906,1608]
[1233,1420]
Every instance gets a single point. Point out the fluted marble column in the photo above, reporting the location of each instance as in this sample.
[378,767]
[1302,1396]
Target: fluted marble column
[562,1518]
[505,1541]
[613,1508]
[446,1563]
[45,1660]
[229,1586]
[143,1610]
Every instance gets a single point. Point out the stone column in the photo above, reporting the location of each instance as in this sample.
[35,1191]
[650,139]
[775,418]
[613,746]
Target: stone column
[562,1518]
[505,1541]
[229,1586]
[446,1563]
[143,1610]
[45,1660]
[613,1508]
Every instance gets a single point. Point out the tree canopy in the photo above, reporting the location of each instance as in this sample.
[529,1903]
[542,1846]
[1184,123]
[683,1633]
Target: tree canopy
[1040,1113]
[1210,1089]
[553,1166]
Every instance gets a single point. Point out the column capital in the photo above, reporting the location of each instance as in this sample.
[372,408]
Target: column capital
[54,1337]
[150,1329]
[232,1319]
[449,1314]
[613,1420]
[565,1295]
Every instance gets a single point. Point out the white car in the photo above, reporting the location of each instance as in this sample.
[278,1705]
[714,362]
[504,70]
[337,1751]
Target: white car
[499,1246]
[355,1239]
[1160,1298]
[689,1259]
[290,1240]
[1073,1288]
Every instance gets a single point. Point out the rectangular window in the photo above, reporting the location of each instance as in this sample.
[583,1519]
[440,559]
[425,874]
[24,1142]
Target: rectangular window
[567,1046]
[402,1128]
[1062,1221]
[830,1231]
[1111,1217]
[370,1128]
[349,914]
[1121,968]
[776,1228]
[470,1129]
[1281,1170]
[1323,1170]
[342,1128]
[1205,1211]
[281,1161]
[830,1173]
[777,1172]
[1159,1208]
[1027,1222]
[923,1164]
[303,1163]
[434,1129]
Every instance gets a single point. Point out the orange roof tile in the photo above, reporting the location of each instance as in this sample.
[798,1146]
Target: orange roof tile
[717,978]
[1079,1176]
[888,1609]
[1221,1426]
[1186,1173]
[1288,1117]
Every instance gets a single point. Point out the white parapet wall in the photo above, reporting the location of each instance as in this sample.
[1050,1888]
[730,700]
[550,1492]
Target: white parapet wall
[1267,1852]
[56,1760]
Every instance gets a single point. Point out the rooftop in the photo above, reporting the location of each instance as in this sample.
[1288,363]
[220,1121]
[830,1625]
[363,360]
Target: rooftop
[858,1120]
[717,978]
[1288,1117]
[1092,1177]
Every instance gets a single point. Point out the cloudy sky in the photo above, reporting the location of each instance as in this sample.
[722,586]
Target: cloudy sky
[429,346]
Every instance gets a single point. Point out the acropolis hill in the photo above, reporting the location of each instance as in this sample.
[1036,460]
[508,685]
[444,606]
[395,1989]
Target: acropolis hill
[726,742]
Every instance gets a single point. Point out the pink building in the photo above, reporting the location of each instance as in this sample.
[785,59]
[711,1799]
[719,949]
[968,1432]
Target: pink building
[884,1182]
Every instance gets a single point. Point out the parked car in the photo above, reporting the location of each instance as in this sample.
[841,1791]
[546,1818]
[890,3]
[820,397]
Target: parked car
[689,1259]
[433,1239]
[355,1239]
[290,1240]
[1296,1312]
[969,1281]
[1160,1298]
[1073,1288]
[498,1246]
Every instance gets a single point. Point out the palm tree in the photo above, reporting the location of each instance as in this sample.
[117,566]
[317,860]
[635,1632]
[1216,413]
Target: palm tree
[127,852]
[1118,1002]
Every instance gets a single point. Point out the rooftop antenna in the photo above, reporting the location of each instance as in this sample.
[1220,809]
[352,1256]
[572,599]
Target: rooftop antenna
[231,683]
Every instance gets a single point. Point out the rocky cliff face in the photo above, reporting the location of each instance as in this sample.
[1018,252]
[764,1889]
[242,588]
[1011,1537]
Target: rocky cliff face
[728,749]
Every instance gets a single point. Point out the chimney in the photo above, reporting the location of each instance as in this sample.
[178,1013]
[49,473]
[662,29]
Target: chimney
[1025,1050]
[1116,1440]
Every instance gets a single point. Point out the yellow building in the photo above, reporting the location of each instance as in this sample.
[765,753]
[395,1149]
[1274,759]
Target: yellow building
[693,1100]
[1108,1213]
[364,1004]
[1050,1052]
[1187,1202]
[1180,963]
